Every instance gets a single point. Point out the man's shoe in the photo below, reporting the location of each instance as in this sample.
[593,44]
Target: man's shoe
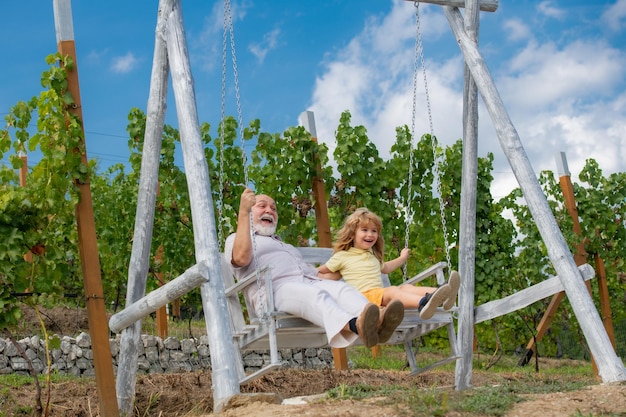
[429,303]
[367,325]
[390,317]
[454,282]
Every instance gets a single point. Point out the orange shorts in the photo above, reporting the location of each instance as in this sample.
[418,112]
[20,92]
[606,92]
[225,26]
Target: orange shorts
[375,295]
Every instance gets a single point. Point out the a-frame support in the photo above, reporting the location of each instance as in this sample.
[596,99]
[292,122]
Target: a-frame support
[170,54]
[610,367]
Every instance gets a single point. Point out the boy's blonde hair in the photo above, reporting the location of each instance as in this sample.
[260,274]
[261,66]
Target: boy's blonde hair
[360,217]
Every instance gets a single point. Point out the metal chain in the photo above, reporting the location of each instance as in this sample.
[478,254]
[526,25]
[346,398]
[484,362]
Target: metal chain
[436,159]
[409,194]
[228,22]
[220,203]
[237,94]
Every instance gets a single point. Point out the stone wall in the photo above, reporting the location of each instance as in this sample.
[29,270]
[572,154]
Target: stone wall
[74,356]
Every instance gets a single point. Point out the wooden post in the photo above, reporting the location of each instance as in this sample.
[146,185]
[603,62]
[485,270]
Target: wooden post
[23,170]
[88,247]
[467,227]
[225,378]
[130,341]
[307,119]
[605,304]
[581,258]
[610,366]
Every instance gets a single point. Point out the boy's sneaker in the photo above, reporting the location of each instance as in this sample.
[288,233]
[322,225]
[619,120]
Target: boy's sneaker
[367,325]
[390,317]
[454,282]
[429,303]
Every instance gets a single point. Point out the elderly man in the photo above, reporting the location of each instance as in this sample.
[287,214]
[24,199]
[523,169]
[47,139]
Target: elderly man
[341,310]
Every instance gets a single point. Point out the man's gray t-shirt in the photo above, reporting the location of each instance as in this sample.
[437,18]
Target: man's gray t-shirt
[284,259]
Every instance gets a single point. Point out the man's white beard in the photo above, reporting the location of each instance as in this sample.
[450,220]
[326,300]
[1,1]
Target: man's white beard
[265,230]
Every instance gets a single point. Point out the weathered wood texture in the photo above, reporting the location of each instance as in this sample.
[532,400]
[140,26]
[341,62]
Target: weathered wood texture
[527,296]
[610,367]
[130,342]
[223,362]
[485,5]
[467,226]
[191,279]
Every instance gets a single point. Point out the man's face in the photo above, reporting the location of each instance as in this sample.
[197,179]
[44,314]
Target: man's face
[264,215]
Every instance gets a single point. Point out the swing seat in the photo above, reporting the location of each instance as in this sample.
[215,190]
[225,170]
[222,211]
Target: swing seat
[280,330]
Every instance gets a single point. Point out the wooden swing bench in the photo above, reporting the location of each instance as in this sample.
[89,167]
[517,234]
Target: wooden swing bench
[280,330]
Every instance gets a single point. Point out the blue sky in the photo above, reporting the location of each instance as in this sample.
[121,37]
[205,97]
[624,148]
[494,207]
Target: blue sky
[559,65]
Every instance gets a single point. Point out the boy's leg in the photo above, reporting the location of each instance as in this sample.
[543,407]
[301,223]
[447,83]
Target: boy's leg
[454,282]
[428,304]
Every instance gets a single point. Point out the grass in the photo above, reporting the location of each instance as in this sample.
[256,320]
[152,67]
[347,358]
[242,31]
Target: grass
[509,386]
[11,382]
[180,329]
[508,383]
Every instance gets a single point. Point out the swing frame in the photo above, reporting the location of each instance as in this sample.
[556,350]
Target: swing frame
[170,49]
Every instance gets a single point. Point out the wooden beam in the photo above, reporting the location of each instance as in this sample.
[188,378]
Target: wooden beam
[190,279]
[526,297]
[485,5]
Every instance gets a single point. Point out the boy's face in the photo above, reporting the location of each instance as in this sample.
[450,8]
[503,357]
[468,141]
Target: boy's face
[365,236]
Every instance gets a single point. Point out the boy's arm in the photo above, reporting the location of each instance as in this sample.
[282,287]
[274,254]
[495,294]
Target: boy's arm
[394,264]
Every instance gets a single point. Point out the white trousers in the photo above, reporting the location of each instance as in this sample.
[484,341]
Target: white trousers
[328,304]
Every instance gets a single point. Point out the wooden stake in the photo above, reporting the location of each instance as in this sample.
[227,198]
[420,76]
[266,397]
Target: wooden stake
[161,313]
[88,247]
[28,256]
[340,356]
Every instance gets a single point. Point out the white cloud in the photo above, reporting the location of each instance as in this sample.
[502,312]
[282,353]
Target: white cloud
[124,64]
[561,100]
[546,8]
[372,77]
[559,97]
[95,57]
[615,15]
[517,30]
[268,43]
[546,75]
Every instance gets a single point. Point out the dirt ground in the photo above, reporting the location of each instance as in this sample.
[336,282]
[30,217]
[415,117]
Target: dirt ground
[288,392]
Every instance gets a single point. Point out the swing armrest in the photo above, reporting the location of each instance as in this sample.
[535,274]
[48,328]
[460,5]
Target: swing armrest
[436,269]
[244,282]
